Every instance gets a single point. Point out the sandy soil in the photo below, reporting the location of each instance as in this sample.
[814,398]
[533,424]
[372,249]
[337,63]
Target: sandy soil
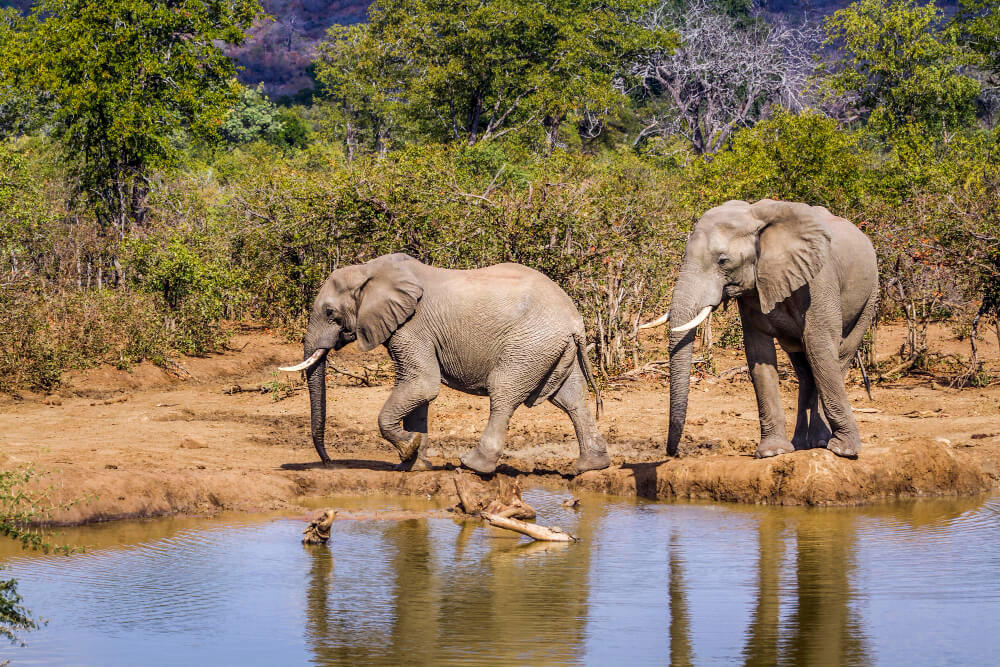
[151,442]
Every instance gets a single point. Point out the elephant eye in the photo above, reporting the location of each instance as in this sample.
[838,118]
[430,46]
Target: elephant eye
[723,259]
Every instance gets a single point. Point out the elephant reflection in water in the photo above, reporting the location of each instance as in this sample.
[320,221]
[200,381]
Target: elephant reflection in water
[355,635]
[520,603]
[680,622]
[823,629]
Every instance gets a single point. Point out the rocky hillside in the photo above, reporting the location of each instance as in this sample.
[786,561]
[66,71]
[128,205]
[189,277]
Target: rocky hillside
[280,48]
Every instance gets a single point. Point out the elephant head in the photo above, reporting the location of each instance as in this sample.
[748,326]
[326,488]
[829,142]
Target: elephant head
[365,302]
[771,247]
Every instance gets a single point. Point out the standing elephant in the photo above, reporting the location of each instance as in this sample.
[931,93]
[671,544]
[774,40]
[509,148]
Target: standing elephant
[799,274]
[504,331]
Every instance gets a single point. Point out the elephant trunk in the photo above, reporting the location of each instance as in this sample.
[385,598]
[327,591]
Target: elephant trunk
[316,380]
[684,308]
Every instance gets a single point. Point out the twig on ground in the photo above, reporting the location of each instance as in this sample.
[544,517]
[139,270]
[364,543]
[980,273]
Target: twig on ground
[363,380]
[733,371]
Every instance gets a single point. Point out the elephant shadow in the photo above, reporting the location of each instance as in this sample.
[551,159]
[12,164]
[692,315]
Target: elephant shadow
[645,477]
[341,464]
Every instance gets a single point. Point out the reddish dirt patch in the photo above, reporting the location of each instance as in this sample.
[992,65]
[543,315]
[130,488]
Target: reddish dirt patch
[152,442]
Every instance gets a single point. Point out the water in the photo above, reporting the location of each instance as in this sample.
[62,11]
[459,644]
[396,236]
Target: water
[908,583]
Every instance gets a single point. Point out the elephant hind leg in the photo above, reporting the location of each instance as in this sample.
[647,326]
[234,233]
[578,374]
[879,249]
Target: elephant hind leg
[572,398]
[853,338]
[484,457]
[811,429]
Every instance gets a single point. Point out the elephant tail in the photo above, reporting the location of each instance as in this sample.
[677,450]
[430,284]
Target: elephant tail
[588,370]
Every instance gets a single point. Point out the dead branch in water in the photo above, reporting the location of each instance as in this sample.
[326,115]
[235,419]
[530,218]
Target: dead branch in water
[532,530]
[318,531]
[501,496]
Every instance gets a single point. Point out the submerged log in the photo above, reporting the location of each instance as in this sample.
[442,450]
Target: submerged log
[318,532]
[532,530]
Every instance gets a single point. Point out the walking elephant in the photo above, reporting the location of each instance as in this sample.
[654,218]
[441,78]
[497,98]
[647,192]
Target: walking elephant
[504,331]
[799,274]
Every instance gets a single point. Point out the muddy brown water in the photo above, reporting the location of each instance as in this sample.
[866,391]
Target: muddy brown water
[649,583]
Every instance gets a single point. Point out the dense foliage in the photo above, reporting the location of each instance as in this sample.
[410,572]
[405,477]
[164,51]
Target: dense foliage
[117,81]
[22,504]
[468,71]
[466,134]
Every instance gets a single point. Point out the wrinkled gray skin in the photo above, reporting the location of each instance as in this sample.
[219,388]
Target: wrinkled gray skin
[799,274]
[504,331]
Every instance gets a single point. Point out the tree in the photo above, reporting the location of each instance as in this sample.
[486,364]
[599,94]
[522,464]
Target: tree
[252,118]
[14,103]
[902,65]
[470,71]
[978,23]
[364,75]
[722,76]
[121,79]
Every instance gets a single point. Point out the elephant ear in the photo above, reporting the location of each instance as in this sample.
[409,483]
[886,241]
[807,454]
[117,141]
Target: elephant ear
[385,301]
[794,243]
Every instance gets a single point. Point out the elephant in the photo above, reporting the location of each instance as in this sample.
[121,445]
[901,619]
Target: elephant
[503,331]
[799,274]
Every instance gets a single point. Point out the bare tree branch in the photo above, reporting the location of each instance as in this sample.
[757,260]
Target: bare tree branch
[722,77]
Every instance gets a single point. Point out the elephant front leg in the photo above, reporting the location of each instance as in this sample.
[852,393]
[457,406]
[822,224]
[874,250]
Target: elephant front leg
[825,362]
[416,422]
[407,404]
[762,360]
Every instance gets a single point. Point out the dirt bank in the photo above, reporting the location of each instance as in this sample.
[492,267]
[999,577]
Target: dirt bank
[153,442]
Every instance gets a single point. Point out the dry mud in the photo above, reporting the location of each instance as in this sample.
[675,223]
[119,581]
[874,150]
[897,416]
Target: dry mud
[151,442]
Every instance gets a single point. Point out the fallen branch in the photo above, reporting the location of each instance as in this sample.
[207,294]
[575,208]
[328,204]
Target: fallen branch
[651,367]
[906,365]
[532,530]
[341,371]
[733,371]
[257,389]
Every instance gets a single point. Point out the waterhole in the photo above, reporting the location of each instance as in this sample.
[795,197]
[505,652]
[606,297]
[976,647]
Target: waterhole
[649,583]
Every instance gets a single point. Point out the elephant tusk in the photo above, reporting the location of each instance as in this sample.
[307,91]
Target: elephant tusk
[657,322]
[308,363]
[696,321]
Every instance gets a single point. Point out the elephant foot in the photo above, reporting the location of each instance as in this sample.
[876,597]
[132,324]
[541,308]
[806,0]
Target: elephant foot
[417,464]
[811,443]
[846,447]
[408,450]
[591,462]
[773,447]
[474,459]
